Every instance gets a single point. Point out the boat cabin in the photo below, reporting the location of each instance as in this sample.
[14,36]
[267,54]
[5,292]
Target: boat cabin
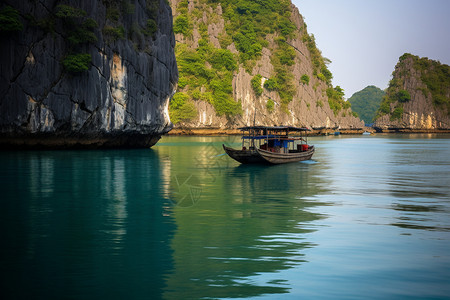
[277,139]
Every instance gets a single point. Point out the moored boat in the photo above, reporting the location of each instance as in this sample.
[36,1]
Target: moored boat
[272,145]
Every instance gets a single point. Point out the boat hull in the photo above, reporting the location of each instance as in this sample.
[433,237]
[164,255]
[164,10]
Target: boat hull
[259,156]
[282,158]
[244,156]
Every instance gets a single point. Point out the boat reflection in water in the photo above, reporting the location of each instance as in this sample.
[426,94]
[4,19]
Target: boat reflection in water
[247,227]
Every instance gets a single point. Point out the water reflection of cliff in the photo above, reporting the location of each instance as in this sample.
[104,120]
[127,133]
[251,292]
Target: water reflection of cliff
[87,224]
[251,223]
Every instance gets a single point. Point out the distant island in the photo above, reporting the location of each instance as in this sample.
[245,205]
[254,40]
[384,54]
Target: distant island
[366,103]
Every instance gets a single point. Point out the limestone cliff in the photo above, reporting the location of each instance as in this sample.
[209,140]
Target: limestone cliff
[254,57]
[85,73]
[418,97]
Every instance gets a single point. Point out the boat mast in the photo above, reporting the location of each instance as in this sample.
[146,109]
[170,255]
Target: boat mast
[254,130]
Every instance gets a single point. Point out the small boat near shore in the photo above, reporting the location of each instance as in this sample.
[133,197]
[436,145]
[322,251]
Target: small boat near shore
[272,145]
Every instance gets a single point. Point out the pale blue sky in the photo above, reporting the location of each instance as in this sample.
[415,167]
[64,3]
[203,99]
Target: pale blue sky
[365,38]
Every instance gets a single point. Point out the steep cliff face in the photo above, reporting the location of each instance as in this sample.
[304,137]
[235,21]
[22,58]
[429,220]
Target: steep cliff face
[272,68]
[418,97]
[86,73]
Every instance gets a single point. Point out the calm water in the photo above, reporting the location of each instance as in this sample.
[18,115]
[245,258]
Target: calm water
[367,218]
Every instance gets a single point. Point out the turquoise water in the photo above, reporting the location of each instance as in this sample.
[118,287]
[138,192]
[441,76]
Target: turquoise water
[367,218]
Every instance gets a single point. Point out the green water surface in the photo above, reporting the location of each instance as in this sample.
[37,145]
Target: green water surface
[367,218]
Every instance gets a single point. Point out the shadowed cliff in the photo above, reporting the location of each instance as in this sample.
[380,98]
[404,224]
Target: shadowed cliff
[85,73]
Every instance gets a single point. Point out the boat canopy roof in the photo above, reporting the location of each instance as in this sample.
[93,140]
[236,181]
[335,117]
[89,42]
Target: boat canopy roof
[274,128]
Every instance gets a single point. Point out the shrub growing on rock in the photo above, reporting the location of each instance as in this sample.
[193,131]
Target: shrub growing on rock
[270,105]
[256,84]
[76,63]
[403,96]
[9,20]
[305,79]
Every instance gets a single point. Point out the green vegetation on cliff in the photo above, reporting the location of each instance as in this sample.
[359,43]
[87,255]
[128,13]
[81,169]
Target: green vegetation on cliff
[393,96]
[305,79]
[366,102]
[183,23]
[78,30]
[211,84]
[181,108]
[283,79]
[436,77]
[119,24]
[319,62]
[256,85]
[336,99]
[247,24]
[207,65]
[270,105]
[76,63]
[10,20]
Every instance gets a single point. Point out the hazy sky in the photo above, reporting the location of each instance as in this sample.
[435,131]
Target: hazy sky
[365,38]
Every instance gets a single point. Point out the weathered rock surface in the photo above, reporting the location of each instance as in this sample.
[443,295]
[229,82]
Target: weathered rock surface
[120,101]
[423,112]
[309,106]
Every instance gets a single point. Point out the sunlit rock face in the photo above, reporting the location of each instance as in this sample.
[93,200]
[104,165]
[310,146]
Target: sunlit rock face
[120,100]
[309,106]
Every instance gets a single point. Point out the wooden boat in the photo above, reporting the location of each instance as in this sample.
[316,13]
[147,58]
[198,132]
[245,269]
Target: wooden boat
[271,145]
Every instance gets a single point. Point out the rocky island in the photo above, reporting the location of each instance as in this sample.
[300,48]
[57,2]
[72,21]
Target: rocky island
[418,97]
[103,74]
[88,74]
[245,62]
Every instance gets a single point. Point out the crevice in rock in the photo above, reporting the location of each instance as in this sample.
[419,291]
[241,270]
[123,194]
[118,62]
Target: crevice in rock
[295,48]
[45,6]
[14,78]
[89,120]
[51,88]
